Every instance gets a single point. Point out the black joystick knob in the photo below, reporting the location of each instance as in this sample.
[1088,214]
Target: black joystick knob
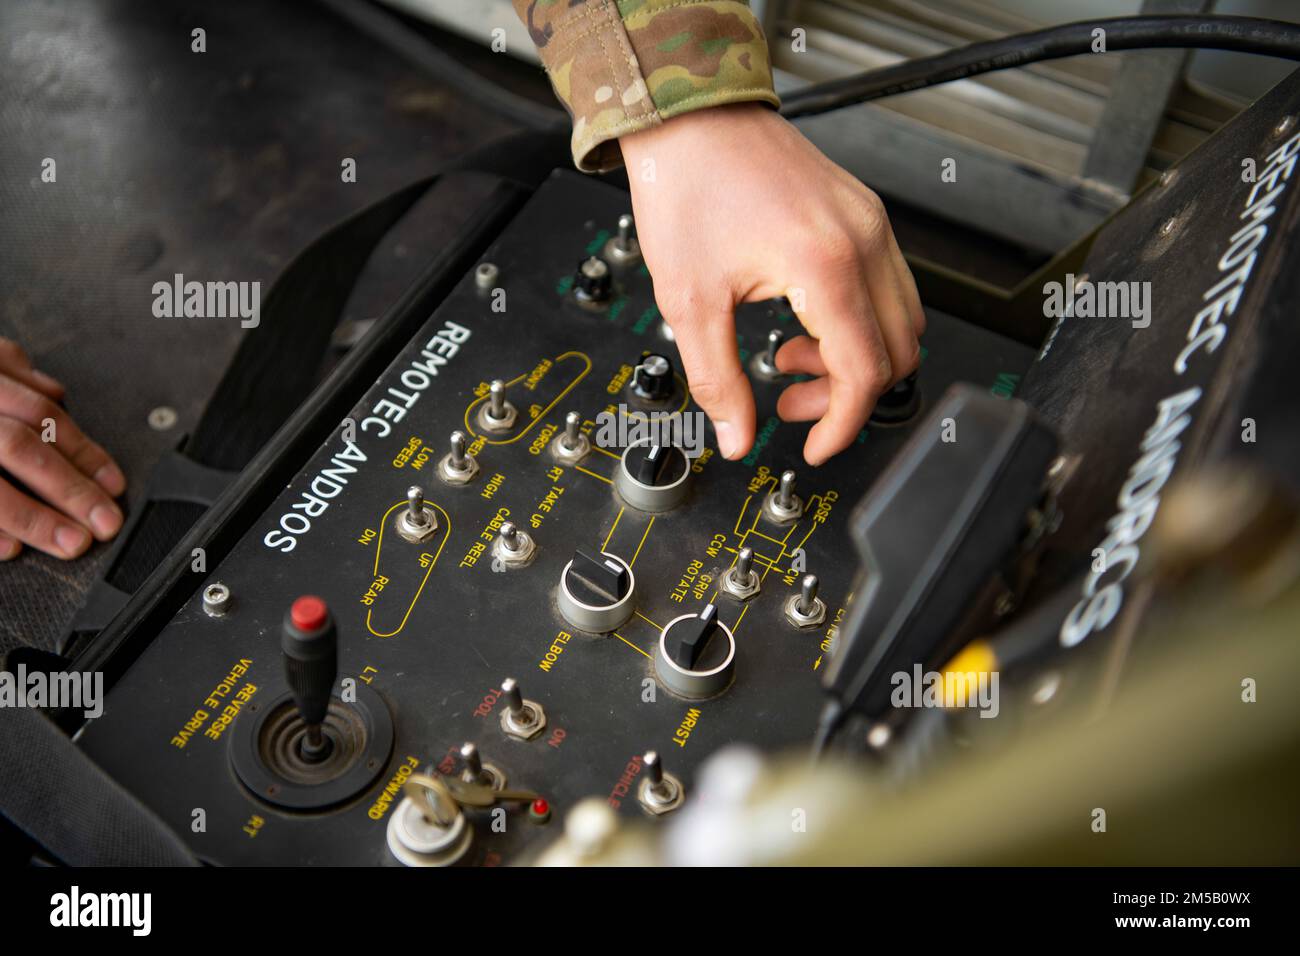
[309,641]
[653,380]
[592,281]
[899,403]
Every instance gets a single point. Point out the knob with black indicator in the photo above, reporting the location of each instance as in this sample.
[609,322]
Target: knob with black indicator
[696,655]
[597,593]
[653,379]
[309,641]
[653,477]
[593,281]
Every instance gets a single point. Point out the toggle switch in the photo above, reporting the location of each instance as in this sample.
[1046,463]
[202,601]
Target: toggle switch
[659,791]
[497,414]
[520,718]
[764,363]
[741,581]
[514,547]
[476,771]
[417,522]
[571,445]
[623,247]
[806,609]
[653,478]
[782,505]
[597,594]
[457,467]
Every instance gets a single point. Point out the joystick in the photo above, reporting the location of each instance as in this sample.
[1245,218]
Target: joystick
[309,641]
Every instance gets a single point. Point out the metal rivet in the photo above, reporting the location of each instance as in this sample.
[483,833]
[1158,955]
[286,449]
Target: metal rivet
[163,418]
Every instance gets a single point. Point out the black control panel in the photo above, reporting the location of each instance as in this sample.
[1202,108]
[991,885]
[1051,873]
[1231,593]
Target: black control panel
[497,587]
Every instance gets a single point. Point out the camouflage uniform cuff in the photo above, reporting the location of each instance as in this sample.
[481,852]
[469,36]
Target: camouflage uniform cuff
[621,67]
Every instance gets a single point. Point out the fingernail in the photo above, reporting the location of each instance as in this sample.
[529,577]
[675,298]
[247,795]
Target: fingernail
[111,479]
[106,520]
[8,549]
[71,541]
[726,438]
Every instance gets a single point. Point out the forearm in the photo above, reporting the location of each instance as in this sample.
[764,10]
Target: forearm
[622,67]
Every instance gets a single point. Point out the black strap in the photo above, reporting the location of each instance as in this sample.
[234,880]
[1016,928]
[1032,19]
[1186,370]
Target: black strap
[61,799]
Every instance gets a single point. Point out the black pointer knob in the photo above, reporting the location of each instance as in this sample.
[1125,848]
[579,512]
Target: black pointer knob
[693,635]
[597,581]
[592,282]
[653,380]
[309,641]
[651,467]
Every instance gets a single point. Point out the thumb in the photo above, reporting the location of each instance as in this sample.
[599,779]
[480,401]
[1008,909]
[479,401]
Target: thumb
[706,338]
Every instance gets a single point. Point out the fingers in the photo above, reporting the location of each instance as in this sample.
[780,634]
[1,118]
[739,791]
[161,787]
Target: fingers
[805,401]
[15,362]
[705,332]
[908,287]
[800,356]
[841,318]
[26,520]
[38,381]
[10,548]
[29,406]
[898,308]
[51,476]
[895,301]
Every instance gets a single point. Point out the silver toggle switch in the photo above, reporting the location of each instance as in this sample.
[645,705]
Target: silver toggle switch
[764,363]
[741,581]
[571,445]
[782,505]
[659,792]
[496,414]
[417,522]
[806,609]
[457,467]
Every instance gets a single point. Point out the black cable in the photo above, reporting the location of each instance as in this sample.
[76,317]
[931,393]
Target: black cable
[388,30]
[1238,34]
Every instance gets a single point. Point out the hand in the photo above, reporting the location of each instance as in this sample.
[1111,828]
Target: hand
[69,471]
[742,208]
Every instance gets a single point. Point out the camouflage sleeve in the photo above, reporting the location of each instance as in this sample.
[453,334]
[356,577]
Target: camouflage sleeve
[620,66]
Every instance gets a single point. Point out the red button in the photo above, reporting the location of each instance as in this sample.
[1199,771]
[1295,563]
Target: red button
[540,807]
[309,613]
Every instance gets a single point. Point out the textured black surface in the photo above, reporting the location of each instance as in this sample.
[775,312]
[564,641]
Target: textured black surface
[440,636]
[219,166]
[1100,381]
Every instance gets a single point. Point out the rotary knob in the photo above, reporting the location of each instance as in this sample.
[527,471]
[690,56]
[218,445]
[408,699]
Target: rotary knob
[593,281]
[696,656]
[653,477]
[653,379]
[597,593]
